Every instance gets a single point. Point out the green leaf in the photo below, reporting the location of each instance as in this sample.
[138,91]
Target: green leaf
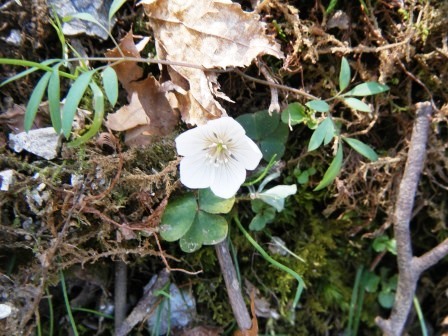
[357,104]
[371,282]
[259,125]
[114,7]
[344,74]
[178,217]
[98,108]
[207,229]
[331,6]
[27,71]
[332,171]
[318,105]
[362,148]
[54,99]
[267,131]
[323,133]
[274,143]
[294,114]
[367,89]
[72,100]
[35,99]
[386,299]
[276,196]
[258,223]
[81,16]
[211,203]
[110,84]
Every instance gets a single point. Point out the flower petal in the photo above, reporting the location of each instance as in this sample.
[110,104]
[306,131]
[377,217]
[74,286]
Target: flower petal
[226,128]
[192,141]
[228,179]
[196,172]
[247,153]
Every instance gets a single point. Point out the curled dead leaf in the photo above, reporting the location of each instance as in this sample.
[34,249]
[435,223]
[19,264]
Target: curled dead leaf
[149,113]
[212,34]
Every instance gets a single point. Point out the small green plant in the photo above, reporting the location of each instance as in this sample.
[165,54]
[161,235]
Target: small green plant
[82,77]
[325,129]
[196,220]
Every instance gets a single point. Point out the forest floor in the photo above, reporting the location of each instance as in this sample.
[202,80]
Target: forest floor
[76,229]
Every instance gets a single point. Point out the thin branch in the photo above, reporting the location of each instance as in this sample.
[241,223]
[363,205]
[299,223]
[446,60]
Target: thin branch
[278,86]
[431,257]
[408,272]
[120,294]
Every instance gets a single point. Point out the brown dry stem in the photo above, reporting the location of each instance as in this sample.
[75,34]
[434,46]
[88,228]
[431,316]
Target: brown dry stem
[410,267]
[233,287]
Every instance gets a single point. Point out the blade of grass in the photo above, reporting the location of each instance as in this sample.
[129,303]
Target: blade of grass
[94,312]
[353,302]
[421,318]
[51,312]
[67,304]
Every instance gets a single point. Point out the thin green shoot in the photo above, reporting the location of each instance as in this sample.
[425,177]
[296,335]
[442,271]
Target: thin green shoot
[38,325]
[51,312]
[354,302]
[93,312]
[421,318]
[67,304]
[301,283]
[271,163]
[287,250]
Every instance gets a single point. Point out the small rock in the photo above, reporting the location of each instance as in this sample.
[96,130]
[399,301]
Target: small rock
[43,142]
[6,179]
[5,311]
[98,9]
[14,38]
[339,20]
[177,314]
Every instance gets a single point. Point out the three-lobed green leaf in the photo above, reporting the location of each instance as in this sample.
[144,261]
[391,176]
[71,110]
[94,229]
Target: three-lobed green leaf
[178,217]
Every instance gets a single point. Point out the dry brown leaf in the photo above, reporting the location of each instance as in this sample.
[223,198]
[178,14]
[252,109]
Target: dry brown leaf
[14,119]
[127,72]
[128,116]
[253,331]
[149,113]
[212,34]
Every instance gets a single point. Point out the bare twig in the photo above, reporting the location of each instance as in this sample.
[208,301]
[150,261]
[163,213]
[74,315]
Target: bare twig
[274,106]
[233,286]
[120,292]
[409,267]
[145,306]
[278,86]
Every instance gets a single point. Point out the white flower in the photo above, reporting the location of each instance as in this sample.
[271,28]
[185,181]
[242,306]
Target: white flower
[216,155]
